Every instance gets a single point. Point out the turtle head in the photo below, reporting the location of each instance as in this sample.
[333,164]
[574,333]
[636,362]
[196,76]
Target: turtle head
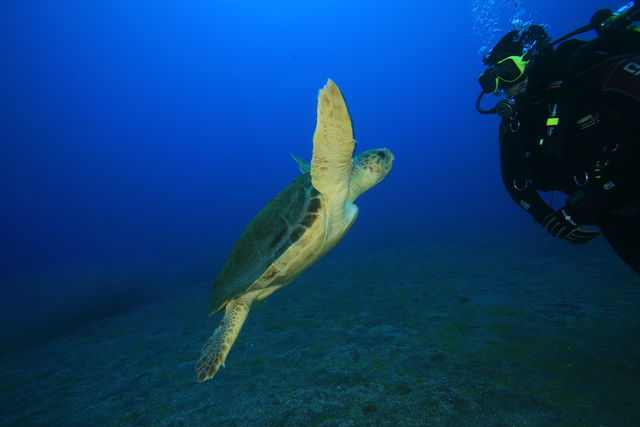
[369,168]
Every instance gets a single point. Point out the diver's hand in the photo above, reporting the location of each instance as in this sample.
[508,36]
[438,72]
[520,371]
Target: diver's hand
[562,225]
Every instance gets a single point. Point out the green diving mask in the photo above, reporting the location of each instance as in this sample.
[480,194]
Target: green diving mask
[503,74]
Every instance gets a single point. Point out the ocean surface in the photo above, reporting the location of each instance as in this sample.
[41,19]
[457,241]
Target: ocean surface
[137,140]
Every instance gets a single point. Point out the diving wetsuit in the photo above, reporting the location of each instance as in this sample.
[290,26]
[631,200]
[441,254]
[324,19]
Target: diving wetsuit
[592,154]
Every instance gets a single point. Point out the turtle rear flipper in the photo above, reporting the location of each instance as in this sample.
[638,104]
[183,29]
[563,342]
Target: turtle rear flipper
[216,349]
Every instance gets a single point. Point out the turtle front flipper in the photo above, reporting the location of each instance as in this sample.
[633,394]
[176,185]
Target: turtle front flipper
[216,349]
[333,143]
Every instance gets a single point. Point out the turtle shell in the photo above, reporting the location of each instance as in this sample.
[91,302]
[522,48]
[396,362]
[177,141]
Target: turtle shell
[277,226]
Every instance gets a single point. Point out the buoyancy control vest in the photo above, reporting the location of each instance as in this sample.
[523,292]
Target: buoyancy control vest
[570,129]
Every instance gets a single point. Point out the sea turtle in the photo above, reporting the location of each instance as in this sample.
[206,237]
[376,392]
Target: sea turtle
[297,227]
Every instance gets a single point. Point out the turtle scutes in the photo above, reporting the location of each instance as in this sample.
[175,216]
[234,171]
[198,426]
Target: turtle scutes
[277,226]
[297,227]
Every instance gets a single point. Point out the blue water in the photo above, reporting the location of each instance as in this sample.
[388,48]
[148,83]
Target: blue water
[137,139]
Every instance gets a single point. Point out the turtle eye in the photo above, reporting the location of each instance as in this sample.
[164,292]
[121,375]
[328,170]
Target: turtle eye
[381,154]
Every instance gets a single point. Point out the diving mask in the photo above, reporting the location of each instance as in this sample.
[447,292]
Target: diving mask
[503,74]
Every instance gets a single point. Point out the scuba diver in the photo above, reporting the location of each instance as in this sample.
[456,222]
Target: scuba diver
[571,123]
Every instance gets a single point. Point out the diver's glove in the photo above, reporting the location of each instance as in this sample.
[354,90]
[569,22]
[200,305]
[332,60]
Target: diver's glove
[562,225]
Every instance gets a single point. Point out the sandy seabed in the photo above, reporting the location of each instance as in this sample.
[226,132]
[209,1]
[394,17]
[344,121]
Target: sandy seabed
[511,332]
